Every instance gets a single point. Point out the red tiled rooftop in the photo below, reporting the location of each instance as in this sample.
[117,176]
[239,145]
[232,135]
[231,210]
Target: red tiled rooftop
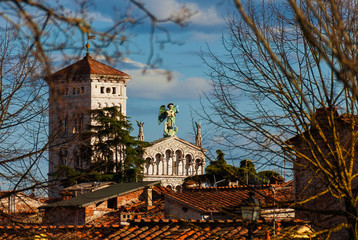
[214,199]
[86,66]
[155,229]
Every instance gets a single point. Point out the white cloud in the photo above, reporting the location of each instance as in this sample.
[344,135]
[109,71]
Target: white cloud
[99,17]
[163,8]
[154,84]
[201,16]
[207,17]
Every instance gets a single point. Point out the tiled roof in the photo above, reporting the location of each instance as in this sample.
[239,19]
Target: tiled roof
[102,194]
[85,66]
[23,203]
[215,199]
[151,229]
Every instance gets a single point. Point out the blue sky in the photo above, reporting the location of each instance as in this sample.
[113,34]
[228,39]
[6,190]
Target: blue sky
[147,92]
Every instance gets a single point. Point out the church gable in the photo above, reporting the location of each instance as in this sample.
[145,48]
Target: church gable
[174,144]
[173,158]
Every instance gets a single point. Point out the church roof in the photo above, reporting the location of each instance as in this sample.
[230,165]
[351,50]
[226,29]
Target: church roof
[102,194]
[86,66]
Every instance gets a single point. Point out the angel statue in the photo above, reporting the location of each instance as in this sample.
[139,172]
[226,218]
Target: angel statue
[168,113]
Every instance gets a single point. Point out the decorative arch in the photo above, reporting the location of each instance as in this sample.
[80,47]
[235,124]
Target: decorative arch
[179,162]
[169,161]
[189,160]
[158,159]
[199,164]
[149,166]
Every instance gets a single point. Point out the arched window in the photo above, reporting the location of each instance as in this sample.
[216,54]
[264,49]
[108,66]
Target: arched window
[179,162]
[158,160]
[188,165]
[169,162]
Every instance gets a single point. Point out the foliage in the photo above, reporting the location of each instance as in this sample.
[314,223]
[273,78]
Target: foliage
[67,174]
[220,168]
[115,150]
[265,176]
[247,172]
[71,176]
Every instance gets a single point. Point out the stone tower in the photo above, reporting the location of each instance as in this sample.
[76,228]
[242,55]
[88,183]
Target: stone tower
[73,91]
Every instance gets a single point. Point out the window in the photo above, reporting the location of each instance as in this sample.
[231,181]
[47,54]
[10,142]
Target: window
[108,90]
[102,89]
[82,90]
[114,90]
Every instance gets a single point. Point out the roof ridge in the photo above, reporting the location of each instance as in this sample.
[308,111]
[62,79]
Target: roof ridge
[149,220]
[86,65]
[89,226]
[231,187]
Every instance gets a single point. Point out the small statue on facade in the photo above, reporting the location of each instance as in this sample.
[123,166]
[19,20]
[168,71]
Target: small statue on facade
[168,113]
[140,134]
[198,138]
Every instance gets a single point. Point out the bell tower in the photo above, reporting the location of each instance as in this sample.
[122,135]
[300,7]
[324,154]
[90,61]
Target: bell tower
[73,91]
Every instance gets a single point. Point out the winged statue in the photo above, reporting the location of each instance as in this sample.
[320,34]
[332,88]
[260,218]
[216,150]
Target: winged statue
[168,113]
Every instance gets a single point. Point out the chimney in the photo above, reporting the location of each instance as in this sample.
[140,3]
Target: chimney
[149,198]
[12,203]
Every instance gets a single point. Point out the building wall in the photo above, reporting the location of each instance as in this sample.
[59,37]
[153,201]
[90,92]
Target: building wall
[66,216]
[129,198]
[70,100]
[309,182]
[175,210]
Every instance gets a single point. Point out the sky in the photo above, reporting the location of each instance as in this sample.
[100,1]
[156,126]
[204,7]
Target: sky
[188,81]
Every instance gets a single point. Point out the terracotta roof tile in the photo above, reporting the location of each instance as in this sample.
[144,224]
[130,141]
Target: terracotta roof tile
[206,200]
[85,66]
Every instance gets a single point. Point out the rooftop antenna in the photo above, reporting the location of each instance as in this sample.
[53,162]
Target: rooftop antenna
[89,37]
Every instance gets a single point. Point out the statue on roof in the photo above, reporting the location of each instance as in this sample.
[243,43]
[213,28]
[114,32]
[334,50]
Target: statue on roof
[168,113]
[198,138]
[140,134]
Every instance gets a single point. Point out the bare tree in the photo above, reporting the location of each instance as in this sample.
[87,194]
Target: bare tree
[285,95]
[23,120]
[33,32]
[56,27]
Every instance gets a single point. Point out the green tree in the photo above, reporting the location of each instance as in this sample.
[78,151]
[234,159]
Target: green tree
[266,176]
[247,172]
[114,150]
[219,168]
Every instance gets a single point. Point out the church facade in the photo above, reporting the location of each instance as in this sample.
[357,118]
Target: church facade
[171,160]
